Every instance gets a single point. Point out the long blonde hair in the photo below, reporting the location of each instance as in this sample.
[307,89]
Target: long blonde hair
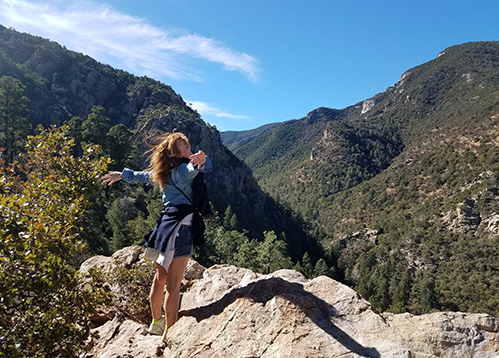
[164,156]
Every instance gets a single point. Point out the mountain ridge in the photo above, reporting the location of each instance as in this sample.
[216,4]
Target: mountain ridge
[389,186]
[235,139]
[395,187]
[61,84]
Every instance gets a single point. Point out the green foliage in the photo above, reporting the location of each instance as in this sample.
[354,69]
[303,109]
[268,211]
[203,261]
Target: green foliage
[272,254]
[402,293]
[14,123]
[306,264]
[95,231]
[75,132]
[414,167]
[322,269]
[131,213]
[43,310]
[119,213]
[120,147]
[425,295]
[133,285]
[235,139]
[246,255]
[117,144]
[223,246]
[232,247]
[439,267]
[230,220]
[95,127]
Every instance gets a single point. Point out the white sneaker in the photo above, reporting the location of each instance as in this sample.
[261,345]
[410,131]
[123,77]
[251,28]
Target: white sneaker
[164,337]
[156,328]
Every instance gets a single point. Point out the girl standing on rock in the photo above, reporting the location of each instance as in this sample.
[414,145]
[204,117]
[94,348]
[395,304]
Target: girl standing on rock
[174,169]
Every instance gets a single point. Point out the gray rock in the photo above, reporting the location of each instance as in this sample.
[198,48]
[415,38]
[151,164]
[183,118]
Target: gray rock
[233,312]
[465,219]
[102,262]
[448,334]
[367,105]
[194,271]
[491,224]
[128,255]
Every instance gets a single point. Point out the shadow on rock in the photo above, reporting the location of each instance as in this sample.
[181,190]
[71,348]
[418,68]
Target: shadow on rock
[316,309]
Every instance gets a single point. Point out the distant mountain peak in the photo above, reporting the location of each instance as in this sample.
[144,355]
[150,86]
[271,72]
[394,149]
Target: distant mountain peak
[321,113]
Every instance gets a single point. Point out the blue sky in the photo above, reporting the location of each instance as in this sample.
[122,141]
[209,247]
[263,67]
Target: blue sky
[245,63]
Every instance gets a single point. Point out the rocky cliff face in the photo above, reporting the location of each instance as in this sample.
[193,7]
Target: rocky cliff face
[61,84]
[233,312]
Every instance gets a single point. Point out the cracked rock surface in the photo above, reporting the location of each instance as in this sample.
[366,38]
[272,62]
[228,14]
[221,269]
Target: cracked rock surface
[234,312]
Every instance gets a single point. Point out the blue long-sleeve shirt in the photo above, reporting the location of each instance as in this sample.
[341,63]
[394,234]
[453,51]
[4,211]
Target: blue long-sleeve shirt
[182,176]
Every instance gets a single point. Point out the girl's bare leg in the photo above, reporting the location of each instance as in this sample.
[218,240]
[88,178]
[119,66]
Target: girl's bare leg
[173,281]
[157,289]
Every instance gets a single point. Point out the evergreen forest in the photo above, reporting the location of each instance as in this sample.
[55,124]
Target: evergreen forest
[402,188]
[396,196]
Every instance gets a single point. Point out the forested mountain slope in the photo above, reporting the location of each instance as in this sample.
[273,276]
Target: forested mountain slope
[236,139]
[403,187]
[62,84]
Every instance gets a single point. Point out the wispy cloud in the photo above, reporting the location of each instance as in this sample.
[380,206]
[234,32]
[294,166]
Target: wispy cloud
[206,109]
[122,40]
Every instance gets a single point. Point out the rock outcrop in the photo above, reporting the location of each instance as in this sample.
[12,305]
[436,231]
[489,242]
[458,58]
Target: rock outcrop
[367,105]
[464,219]
[233,312]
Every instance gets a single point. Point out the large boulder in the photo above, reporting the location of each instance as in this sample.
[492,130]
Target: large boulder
[233,312]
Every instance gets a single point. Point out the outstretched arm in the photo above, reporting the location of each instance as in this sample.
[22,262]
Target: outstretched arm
[198,159]
[111,177]
[199,163]
[127,175]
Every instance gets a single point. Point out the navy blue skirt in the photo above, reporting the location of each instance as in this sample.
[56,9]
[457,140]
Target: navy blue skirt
[169,219]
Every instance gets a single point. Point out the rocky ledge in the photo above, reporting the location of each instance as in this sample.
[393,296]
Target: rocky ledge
[233,312]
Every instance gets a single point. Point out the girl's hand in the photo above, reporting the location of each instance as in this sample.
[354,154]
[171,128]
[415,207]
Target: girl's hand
[198,159]
[111,177]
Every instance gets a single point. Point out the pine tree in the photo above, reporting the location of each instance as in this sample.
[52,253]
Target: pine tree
[322,269]
[120,147]
[74,132]
[121,211]
[402,293]
[247,255]
[95,128]
[272,254]
[428,296]
[381,297]
[306,263]
[298,267]
[230,220]
[424,294]
[14,123]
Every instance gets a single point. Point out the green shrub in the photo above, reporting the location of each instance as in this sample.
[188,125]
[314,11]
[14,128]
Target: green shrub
[43,310]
